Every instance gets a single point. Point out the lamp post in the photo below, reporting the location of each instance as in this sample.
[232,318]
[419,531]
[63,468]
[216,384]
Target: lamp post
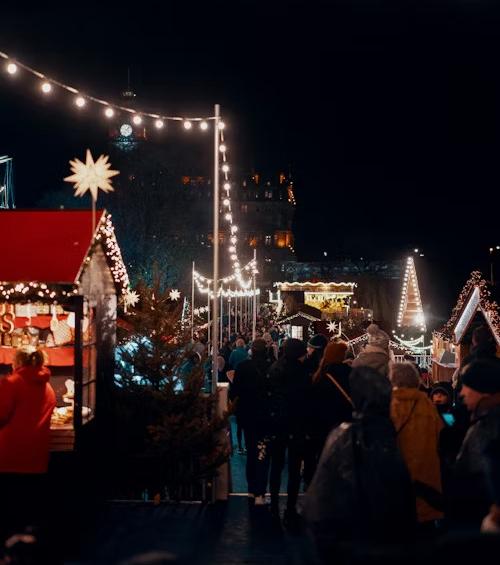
[492,250]
[215,306]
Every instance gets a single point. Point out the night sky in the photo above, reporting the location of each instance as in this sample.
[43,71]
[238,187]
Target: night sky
[386,112]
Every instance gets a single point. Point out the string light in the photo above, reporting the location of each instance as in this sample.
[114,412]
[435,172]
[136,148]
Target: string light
[159,124]
[137,120]
[109,112]
[82,99]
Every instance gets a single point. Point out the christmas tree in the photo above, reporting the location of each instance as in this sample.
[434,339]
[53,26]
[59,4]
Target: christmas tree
[167,418]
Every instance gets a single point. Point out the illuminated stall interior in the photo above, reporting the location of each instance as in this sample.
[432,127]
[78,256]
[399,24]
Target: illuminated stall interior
[475,307]
[59,288]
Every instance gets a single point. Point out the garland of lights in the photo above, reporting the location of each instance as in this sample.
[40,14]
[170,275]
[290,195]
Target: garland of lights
[110,110]
[410,277]
[490,308]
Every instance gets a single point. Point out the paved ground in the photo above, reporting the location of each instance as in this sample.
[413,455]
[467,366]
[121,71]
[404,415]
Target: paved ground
[224,533]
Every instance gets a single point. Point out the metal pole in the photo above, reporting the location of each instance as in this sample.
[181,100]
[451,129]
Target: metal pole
[221,315]
[229,315]
[216,248]
[241,313]
[208,317]
[254,298]
[192,304]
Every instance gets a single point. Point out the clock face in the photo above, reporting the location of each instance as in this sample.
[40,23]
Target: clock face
[126,130]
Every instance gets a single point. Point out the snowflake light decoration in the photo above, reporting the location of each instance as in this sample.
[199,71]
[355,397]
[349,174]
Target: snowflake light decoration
[174,295]
[91,175]
[332,327]
[131,298]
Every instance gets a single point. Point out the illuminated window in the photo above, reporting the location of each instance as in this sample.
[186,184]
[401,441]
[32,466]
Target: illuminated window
[244,208]
[268,240]
[297,332]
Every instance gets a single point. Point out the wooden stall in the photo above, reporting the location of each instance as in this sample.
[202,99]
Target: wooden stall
[475,307]
[60,284]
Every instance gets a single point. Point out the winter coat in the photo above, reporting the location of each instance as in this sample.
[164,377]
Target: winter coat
[362,489]
[237,356]
[374,357]
[249,390]
[329,407]
[26,404]
[287,406]
[418,427]
[471,492]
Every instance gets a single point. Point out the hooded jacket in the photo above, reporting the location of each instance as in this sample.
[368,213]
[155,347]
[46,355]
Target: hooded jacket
[362,488]
[374,357]
[418,426]
[26,404]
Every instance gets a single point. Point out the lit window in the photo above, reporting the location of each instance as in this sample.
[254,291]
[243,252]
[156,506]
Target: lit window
[268,240]
[297,332]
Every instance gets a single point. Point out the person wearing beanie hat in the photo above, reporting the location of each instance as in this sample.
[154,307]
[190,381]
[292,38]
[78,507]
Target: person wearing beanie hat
[315,347]
[287,421]
[473,480]
[376,352]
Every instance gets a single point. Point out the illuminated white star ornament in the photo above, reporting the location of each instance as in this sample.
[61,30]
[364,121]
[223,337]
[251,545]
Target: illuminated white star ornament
[91,175]
[332,327]
[131,298]
[174,295]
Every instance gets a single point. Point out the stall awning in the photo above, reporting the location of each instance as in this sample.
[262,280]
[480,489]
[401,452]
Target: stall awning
[44,245]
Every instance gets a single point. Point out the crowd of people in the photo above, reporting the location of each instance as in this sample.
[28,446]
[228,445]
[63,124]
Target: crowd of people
[379,455]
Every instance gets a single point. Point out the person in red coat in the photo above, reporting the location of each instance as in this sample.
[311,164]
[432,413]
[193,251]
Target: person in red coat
[27,401]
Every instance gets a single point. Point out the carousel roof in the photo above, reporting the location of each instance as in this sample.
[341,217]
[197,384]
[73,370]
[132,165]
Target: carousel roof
[45,245]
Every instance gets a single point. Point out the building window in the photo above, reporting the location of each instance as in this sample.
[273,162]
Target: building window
[297,332]
[268,240]
[269,194]
[244,208]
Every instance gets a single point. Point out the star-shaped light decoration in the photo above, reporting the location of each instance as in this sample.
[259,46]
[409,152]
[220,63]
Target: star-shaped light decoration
[174,295]
[332,327]
[91,175]
[131,298]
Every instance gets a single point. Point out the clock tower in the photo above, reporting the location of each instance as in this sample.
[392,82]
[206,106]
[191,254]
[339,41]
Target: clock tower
[124,134]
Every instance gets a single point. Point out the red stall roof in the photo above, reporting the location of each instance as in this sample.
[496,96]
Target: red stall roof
[44,245]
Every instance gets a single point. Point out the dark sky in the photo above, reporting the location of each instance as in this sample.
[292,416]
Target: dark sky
[387,112]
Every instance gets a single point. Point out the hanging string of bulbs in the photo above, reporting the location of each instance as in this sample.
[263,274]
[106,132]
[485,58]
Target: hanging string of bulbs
[110,110]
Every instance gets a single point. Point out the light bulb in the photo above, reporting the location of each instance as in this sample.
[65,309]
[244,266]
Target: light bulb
[203,125]
[222,125]
[232,249]
[228,217]
[222,148]
[227,186]
[46,87]
[137,120]
[12,68]
[80,101]
[159,124]
[187,124]
[234,229]
[109,112]
[226,202]
[225,168]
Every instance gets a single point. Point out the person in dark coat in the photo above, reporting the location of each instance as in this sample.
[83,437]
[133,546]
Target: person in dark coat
[248,390]
[330,402]
[315,348]
[480,391]
[286,424]
[361,492]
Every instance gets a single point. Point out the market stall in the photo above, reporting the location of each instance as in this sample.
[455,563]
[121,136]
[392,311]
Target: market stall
[475,307]
[60,284]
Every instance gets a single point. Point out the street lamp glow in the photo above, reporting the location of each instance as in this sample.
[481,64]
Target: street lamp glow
[203,125]
[46,87]
[109,112]
[137,120]
[80,101]
[187,124]
[12,68]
